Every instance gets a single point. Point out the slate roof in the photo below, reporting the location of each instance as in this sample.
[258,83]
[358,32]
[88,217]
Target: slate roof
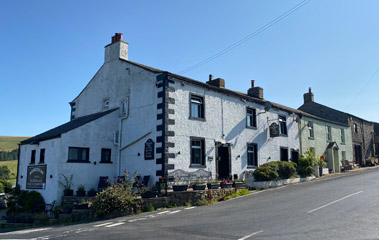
[58,131]
[325,112]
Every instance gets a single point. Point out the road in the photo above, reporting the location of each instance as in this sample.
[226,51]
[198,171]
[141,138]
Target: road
[344,207]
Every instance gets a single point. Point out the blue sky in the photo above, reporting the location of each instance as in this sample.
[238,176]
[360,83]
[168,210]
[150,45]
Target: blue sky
[51,49]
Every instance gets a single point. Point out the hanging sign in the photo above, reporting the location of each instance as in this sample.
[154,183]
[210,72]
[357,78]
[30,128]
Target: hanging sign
[36,178]
[274,130]
[149,149]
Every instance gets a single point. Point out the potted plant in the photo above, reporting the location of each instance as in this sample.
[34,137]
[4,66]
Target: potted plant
[213,184]
[320,162]
[67,183]
[150,193]
[226,183]
[237,183]
[198,185]
[92,192]
[81,191]
[179,187]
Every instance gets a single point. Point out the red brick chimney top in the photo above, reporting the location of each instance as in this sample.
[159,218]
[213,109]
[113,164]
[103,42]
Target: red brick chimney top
[117,37]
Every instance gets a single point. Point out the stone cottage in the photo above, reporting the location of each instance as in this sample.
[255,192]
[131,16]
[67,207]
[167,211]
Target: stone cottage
[362,131]
[131,116]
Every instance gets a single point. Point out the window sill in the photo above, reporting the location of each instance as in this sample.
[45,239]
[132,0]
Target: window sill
[105,162]
[78,161]
[197,119]
[197,166]
[311,138]
[251,127]
[252,167]
[283,135]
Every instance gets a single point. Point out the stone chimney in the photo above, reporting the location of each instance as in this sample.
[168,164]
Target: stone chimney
[309,97]
[218,82]
[118,49]
[256,92]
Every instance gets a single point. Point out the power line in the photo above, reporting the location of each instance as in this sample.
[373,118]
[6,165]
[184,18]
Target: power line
[360,91]
[251,35]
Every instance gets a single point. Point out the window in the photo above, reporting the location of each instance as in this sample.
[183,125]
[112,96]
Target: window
[283,154]
[197,107]
[252,155]
[251,118]
[105,103]
[33,157]
[355,126]
[42,156]
[282,125]
[124,107]
[343,155]
[76,154]
[310,130]
[106,155]
[197,151]
[342,136]
[328,133]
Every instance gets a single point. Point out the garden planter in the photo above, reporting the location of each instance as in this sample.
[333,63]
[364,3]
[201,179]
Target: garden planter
[91,193]
[213,185]
[81,193]
[179,188]
[237,184]
[226,185]
[198,187]
[68,192]
[149,194]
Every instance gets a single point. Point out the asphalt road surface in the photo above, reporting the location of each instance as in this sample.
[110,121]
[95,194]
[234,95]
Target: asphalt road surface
[344,207]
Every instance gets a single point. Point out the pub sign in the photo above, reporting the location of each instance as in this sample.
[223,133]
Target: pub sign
[36,178]
[149,149]
[274,130]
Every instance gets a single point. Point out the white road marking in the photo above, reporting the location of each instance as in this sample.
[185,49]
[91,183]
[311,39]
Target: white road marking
[103,224]
[163,212]
[250,235]
[24,231]
[152,216]
[338,200]
[175,212]
[114,225]
[137,219]
[189,208]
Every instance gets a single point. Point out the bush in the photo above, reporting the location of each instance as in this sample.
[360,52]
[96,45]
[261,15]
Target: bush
[264,173]
[25,201]
[4,172]
[7,185]
[286,170]
[118,198]
[1,188]
[304,168]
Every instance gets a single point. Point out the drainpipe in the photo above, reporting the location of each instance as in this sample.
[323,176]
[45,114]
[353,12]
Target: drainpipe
[120,138]
[18,163]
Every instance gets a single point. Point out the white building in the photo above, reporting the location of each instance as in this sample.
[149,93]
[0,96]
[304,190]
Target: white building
[135,117]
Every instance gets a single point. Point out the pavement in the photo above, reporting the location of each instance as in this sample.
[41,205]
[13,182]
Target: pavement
[344,206]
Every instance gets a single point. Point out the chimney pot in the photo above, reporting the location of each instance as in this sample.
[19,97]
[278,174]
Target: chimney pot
[310,90]
[210,77]
[252,83]
[309,96]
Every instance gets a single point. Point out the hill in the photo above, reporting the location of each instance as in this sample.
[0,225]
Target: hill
[8,144]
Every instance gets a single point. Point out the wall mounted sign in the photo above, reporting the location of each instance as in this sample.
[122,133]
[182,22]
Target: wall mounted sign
[36,178]
[149,149]
[274,130]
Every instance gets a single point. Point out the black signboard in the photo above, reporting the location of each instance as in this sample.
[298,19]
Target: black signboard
[36,178]
[274,130]
[149,149]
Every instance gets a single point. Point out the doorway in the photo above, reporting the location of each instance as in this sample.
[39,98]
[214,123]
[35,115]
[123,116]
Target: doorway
[358,154]
[223,161]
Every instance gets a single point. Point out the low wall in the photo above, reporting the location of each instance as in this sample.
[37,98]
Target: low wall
[270,184]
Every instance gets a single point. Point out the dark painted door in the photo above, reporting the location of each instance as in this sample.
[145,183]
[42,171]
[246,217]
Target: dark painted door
[295,156]
[223,162]
[358,154]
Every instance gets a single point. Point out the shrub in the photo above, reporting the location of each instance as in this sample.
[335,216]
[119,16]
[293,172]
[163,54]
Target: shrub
[25,201]
[119,197]
[7,185]
[286,170]
[1,188]
[264,173]
[294,164]
[4,172]
[304,168]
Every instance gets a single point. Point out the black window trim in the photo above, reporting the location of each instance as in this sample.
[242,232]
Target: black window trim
[286,129]
[78,161]
[101,157]
[42,150]
[33,158]
[254,118]
[191,95]
[203,164]
[255,145]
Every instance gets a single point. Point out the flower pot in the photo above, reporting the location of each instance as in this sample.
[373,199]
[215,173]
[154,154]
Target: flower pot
[149,194]
[68,192]
[237,184]
[179,188]
[198,186]
[81,193]
[226,185]
[213,185]
[91,193]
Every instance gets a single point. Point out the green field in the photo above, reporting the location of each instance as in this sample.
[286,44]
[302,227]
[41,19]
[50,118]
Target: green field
[8,144]
[12,165]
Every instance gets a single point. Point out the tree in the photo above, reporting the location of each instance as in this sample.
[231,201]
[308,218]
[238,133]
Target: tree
[4,172]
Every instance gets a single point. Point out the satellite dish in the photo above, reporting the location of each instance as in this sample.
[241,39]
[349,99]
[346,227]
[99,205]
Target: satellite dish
[268,106]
